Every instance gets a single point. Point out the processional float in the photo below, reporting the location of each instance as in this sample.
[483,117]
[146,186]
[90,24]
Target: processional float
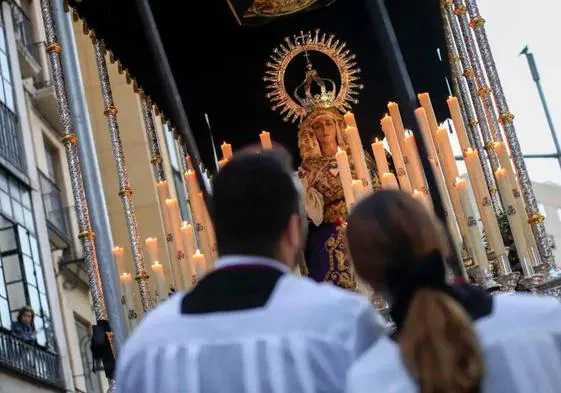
[482,122]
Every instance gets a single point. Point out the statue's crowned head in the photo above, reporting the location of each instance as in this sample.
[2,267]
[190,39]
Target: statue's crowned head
[315,96]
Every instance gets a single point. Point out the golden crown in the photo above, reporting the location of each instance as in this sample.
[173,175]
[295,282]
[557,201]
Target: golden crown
[303,99]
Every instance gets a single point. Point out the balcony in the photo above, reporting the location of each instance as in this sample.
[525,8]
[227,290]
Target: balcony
[11,152]
[28,51]
[45,96]
[58,223]
[72,266]
[32,361]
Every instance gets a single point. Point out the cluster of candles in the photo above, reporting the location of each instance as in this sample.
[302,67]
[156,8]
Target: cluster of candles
[455,191]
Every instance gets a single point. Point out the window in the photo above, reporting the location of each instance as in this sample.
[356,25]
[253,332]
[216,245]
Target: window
[93,384]
[21,272]
[6,86]
[52,158]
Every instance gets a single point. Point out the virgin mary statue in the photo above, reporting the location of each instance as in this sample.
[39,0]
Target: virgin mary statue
[320,135]
[320,105]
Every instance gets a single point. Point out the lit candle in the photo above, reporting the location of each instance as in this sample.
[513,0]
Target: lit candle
[458,121]
[357,153]
[414,170]
[426,104]
[358,190]
[200,263]
[227,151]
[126,287]
[391,137]
[174,214]
[265,138]
[119,258]
[188,267]
[514,221]
[504,160]
[380,156]
[198,207]
[160,280]
[483,199]
[350,119]
[389,182]
[475,236]
[151,244]
[346,177]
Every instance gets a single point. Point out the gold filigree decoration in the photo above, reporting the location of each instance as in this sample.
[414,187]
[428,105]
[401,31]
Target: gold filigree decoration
[270,8]
[336,50]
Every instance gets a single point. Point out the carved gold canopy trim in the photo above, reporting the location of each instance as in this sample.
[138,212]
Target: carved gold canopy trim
[261,11]
[277,7]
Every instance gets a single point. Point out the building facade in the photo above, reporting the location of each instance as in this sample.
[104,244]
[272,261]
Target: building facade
[41,261]
[41,264]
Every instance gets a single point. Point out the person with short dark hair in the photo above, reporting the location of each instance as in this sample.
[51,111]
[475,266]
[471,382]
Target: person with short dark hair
[250,325]
[449,338]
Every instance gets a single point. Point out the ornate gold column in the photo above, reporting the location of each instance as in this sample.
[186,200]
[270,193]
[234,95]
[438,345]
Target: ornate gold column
[125,190]
[70,140]
[536,220]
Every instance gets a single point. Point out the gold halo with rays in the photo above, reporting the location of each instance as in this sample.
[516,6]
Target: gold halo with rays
[338,52]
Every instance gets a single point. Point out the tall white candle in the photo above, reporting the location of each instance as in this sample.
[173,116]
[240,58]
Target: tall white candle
[475,236]
[446,154]
[188,267]
[200,225]
[518,202]
[199,262]
[350,119]
[415,169]
[358,190]
[426,104]
[389,182]
[345,176]
[160,280]
[126,287]
[265,138]
[151,244]
[397,156]
[119,259]
[172,207]
[484,205]
[423,198]
[458,121]
[421,116]
[357,153]
[395,115]
[227,152]
[514,221]
[380,156]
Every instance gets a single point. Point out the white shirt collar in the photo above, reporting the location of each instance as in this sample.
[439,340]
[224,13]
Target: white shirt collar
[241,260]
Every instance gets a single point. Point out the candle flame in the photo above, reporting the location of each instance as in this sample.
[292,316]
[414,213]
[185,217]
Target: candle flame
[198,252]
[469,150]
[376,140]
[171,201]
[339,150]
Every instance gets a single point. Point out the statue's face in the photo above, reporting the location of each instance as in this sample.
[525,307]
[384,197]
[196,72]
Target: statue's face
[325,129]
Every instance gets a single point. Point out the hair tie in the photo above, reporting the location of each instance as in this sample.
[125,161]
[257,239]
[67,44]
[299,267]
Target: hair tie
[404,280]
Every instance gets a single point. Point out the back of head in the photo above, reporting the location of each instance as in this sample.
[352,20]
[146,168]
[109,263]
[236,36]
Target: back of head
[393,241]
[254,198]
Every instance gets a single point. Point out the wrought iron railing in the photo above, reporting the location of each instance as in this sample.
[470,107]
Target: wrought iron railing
[23,31]
[10,138]
[29,359]
[56,213]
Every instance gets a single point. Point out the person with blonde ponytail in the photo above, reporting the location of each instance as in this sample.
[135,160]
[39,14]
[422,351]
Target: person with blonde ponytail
[449,338]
